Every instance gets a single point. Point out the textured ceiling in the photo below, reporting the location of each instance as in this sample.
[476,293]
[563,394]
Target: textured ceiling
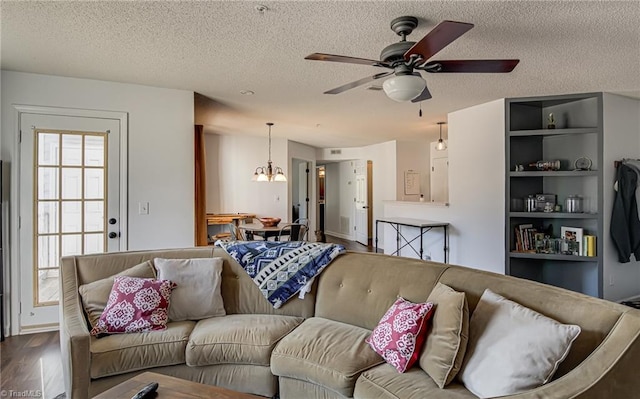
[221,48]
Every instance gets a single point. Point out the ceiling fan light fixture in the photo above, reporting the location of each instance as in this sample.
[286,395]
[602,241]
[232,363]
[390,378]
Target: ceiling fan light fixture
[403,88]
[441,146]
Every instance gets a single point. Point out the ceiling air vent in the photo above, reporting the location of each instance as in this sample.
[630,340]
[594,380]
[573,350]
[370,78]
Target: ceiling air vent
[336,152]
[374,88]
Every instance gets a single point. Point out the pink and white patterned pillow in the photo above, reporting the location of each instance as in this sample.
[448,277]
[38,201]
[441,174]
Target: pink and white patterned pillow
[400,333]
[135,305]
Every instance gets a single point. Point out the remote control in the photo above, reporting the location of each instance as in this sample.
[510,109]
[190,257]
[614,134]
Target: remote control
[147,391]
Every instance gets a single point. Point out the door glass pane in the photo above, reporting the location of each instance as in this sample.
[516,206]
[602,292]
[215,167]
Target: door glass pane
[48,217]
[48,251]
[48,148]
[48,285]
[70,205]
[48,183]
[94,183]
[71,183]
[72,217]
[71,149]
[94,150]
[94,216]
[93,243]
[72,244]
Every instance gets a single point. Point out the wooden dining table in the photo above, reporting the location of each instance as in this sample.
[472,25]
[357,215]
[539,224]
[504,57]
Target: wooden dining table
[258,229]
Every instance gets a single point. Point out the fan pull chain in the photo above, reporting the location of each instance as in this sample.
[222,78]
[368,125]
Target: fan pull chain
[420,112]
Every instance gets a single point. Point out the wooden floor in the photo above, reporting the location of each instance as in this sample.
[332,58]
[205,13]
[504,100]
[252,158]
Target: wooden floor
[351,245]
[31,363]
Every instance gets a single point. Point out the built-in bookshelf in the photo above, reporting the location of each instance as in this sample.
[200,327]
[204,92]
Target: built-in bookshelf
[575,131]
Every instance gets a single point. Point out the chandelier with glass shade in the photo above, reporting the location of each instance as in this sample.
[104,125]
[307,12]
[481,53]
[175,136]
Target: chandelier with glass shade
[269,172]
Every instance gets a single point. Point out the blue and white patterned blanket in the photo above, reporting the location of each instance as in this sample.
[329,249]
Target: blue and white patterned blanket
[281,269]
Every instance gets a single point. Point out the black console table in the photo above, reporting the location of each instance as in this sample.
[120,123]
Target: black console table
[424,226]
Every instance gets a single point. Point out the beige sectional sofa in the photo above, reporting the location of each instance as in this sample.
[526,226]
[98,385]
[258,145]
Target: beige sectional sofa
[314,347]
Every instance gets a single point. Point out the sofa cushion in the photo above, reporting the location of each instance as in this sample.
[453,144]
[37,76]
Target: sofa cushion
[399,336]
[512,348]
[95,295]
[122,353]
[447,335]
[238,338]
[325,352]
[135,305]
[384,382]
[197,294]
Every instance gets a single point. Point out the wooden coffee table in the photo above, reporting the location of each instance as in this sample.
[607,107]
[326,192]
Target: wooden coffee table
[171,387]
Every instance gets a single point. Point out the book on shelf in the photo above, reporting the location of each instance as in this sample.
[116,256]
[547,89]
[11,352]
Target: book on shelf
[525,238]
[589,245]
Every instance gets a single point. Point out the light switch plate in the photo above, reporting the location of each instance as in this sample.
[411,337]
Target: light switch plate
[143,208]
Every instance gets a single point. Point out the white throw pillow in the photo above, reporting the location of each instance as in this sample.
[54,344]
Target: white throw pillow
[512,348]
[197,294]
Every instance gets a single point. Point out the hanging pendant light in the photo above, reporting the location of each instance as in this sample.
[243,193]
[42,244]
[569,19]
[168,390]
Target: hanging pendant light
[269,172]
[441,146]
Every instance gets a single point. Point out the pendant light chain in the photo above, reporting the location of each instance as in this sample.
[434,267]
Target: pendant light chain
[270,124]
[441,144]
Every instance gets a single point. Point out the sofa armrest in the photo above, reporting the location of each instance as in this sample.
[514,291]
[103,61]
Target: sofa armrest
[609,372]
[74,335]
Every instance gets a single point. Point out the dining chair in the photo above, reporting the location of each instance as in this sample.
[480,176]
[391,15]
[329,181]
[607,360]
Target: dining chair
[293,232]
[304,221]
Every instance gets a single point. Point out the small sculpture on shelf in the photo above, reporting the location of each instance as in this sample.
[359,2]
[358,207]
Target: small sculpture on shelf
[546,165]
[551,122]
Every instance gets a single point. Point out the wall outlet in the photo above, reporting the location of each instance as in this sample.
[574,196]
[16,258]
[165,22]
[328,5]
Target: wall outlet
[143,208]
[611,282]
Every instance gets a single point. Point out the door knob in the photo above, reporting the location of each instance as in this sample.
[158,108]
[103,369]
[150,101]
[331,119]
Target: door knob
[112,221]
[113,234]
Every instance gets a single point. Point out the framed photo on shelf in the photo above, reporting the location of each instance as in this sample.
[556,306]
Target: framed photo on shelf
[572,244]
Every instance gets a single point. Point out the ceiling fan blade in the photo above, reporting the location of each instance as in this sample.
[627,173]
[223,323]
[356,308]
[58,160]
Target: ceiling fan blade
[357,83]
[345,59]
[425,95]
[439,37]
[477,66]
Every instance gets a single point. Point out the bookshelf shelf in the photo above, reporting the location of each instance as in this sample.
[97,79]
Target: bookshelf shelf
[553,215]
[569,258]
[558,173]
[553,132]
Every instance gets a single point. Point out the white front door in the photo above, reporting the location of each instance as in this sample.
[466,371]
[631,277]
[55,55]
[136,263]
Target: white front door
[69,203]
[361,203]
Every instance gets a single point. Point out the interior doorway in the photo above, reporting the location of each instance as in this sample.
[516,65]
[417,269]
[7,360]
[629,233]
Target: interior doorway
[320,212]
[300,197]
[364,202]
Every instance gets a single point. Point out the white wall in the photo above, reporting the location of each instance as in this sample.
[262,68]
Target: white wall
[347,204]
[332,198]
[621,140]
[412,155]
[161,160]
[476,192]
[238,157]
